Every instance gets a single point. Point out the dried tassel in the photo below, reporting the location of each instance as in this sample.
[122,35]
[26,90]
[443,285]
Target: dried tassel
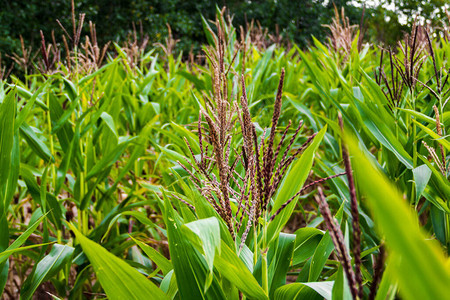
[268,155]
[377,272]
[338,240]
[354,212]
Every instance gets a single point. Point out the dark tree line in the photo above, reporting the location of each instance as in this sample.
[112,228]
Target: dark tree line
[297,20]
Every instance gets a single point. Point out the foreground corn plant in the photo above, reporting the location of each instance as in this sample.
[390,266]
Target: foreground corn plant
[240,186]
[262,173]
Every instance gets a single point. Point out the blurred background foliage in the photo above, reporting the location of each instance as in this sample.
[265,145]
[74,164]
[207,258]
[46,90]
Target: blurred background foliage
[297,20]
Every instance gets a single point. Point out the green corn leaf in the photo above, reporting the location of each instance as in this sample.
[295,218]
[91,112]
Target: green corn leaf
[208,232]
[65,132]
[421,175]
[387,288]
[67,161]
[341,289]
[306,242]
[169,284]
[46,268]
[419,116]
[320,257]
[109,121]
[25,111]
[309,290]
[7,113]
[279,258]
[70,88]
[138,215]
[28,95]
[118,279]
[383,134]
[13,174]
[190,268]
[8,252]
[20,240]
[35,143]
[419,263]
[231,267]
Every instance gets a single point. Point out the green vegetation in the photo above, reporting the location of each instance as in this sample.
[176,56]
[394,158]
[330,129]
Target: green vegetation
[253,172]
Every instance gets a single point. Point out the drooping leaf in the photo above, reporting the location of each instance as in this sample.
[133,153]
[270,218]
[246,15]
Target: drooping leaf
[308,290]
[231,267]
[422,175]
[208,231]
[190,267]
[419,263]
[118,279]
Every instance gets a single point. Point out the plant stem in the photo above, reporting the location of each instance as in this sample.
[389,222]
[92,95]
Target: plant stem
[265,280]
[413,185]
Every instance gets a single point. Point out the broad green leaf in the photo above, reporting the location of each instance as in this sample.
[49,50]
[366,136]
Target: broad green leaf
[438,219]
[118,279]
[10,188]
[279,258]
[169,284]
[25,111]
[208,232]
[7,113]
[173,155]
[190,267]
[384,135]
[28,95]
[65,132]
[67,161]
[387,289]
[70,88]
[306,241]
[46,268]
[419,115]
[109,122]
[440,182]
[7,253]
[4,271]
[320,257]
[198,83]
[136,214]
[231,267]
[419,262]
[307,290]
[421,175]
[341,289]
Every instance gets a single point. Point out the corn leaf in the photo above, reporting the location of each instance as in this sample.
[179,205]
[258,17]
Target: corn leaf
[419,263]
[118,279]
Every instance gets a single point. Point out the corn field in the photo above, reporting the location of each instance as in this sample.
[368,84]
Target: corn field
[256,170]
